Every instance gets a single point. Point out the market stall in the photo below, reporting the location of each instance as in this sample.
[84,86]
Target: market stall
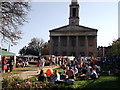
[7,54]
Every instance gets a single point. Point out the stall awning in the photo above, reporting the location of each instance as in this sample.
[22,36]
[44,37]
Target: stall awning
[5,53]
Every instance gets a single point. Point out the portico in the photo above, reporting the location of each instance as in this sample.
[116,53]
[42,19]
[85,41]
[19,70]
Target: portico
[73,39]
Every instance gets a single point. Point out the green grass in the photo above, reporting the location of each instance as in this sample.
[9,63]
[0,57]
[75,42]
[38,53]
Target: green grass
[103,82]
[106,82]
[59,69]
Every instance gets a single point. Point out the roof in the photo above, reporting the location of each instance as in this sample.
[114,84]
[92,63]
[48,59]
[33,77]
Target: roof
[73,28]
[5,53]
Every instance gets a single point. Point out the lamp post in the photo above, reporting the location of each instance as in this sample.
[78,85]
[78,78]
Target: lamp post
[103,51]
[9,46]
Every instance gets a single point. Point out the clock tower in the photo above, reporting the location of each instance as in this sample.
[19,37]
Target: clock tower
[74,13]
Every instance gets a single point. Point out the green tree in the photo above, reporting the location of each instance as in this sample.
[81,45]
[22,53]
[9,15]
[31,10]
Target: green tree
[115,49]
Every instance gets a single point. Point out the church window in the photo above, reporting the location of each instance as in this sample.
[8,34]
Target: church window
[82,41]
[63,42]
[55,43]
[73,41]
[74,12]
[91,41]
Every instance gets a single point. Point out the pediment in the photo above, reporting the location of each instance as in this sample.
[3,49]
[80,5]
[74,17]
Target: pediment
[72,28]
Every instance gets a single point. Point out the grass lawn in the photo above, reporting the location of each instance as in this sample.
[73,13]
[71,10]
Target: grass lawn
[20,69]
[103,82]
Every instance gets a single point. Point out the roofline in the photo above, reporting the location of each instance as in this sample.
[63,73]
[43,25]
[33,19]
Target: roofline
[72,25]
[58,28]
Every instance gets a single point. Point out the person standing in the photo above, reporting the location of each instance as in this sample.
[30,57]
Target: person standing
[42,62]
[11,63]
[4,66]
[53,60]
[38,65]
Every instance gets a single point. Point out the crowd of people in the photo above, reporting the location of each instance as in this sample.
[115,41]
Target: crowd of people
[22,62]
[83,68]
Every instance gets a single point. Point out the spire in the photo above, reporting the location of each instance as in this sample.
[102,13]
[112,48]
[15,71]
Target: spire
[74,2]
[74,13]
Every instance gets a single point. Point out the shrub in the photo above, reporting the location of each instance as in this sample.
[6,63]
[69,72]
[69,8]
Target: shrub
[16,82]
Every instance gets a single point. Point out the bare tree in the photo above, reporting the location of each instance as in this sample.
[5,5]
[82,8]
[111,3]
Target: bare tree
[12,16]
[37,44]
[45,49]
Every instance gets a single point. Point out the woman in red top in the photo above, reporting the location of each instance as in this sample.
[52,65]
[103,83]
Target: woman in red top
[4,60]
[38,65]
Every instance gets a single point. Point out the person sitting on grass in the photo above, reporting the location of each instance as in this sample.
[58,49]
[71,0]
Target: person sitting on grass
[93,74]
[98,69]
[63,74]
[70,73]
[75,70]
[42,76]
[55,76]
[84,73]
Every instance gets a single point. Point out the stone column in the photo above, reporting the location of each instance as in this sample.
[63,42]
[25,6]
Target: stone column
[77,50]
[95,46]
[86,45]
[59,45]
[51,45]
[68,44]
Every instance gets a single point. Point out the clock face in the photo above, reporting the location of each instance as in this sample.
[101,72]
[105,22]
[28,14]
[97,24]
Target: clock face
[73,21]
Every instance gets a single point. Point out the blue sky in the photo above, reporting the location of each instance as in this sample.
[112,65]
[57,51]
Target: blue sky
[45,16]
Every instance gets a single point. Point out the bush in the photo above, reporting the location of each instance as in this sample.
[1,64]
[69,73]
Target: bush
[16,82]
[11,82]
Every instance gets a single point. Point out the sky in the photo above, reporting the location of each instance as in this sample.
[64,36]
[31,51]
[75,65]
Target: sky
[45,16]
[119,19]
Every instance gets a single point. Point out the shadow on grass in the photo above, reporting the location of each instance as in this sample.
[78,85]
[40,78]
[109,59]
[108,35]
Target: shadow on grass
[105,83]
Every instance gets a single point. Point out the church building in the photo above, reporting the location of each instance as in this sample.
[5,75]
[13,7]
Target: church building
[73,39]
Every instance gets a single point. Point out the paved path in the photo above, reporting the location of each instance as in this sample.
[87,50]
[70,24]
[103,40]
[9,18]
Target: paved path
[32,73]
